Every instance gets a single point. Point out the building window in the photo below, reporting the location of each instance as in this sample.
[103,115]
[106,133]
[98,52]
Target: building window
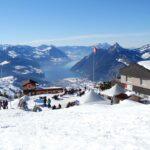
[141,81]
[126,78]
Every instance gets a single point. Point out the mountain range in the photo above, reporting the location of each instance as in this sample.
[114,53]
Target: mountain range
[108,60]
[24,62]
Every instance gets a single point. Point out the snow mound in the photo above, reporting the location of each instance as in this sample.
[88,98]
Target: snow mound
[91,96]
[115,90]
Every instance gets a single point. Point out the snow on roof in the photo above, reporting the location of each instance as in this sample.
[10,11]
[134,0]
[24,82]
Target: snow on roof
[45,88]
[91,96]
[115,90]
[145,64]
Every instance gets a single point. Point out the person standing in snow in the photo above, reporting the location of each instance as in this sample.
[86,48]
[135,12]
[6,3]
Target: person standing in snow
[6,104]
[49,103]
[59,106]
[1,104]
[44,99]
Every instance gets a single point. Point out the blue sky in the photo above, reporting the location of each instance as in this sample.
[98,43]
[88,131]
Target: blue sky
[75,22]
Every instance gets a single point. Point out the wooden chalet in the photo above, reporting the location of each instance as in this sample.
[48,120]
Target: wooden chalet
[30,88]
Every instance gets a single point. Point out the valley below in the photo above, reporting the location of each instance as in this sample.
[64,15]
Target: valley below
[58,71]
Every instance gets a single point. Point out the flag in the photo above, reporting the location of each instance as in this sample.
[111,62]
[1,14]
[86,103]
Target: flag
[94,50]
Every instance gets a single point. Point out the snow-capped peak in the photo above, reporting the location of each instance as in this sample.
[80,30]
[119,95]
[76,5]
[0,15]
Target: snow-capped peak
[116,45]
[145,47]
[103,45]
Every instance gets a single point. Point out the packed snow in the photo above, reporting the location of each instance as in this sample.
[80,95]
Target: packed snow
[90,126]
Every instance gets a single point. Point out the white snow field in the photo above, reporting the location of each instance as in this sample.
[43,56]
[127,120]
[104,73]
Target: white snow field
[90,126]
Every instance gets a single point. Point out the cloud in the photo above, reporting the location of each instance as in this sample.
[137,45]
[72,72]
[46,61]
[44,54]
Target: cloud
[92,38]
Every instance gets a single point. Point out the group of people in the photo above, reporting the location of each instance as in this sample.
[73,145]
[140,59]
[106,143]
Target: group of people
[55,107]
[47,103]
[4,104]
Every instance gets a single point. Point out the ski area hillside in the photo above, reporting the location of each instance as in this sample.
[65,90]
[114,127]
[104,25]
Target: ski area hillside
[90,126]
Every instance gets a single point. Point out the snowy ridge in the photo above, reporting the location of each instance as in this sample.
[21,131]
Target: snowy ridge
[145,47]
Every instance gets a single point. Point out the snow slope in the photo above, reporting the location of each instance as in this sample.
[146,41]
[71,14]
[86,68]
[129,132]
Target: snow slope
[97,126]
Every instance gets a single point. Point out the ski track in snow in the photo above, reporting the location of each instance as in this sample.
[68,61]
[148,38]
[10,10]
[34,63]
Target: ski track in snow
[94,126]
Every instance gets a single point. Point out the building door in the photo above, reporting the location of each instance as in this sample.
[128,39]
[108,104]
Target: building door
[129,87]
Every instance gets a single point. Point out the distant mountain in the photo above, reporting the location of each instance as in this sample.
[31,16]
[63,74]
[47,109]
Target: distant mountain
[24,61]
[78,52]
[103,45]
[19,66]
[50,53]
[145,51]
[107,62]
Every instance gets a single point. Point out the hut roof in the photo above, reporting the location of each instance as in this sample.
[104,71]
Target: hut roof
[135,70]
[29,81]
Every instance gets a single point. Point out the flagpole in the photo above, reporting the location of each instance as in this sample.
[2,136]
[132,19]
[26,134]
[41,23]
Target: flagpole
[94,65]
